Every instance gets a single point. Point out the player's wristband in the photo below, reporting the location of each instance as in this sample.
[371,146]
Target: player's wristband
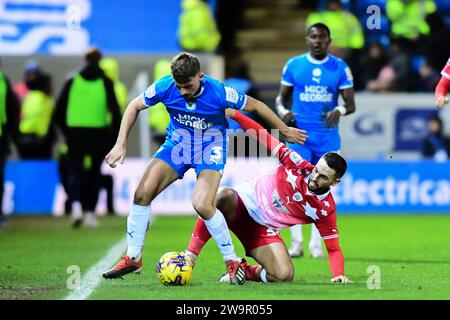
[281,110]
[342,110]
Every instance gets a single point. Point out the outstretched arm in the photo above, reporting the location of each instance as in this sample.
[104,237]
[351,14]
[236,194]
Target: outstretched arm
[336,259]
[119,150]
[291,134]
[335,256]
[441,92]
[258,132]
[287,157]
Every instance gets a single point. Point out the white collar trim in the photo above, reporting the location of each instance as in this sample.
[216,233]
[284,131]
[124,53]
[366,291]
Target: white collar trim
[315,61]
[200,93]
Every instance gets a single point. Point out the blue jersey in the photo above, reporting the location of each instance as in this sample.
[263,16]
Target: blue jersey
[316,86]
[196,134]
[206,112]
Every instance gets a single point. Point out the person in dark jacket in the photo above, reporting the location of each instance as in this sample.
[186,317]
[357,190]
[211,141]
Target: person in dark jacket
[436,145]
[9,122]
[88,114]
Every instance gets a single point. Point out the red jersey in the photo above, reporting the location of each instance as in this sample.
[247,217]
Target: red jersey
[282,199]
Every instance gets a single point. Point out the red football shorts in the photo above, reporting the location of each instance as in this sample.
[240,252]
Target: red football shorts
[249,232]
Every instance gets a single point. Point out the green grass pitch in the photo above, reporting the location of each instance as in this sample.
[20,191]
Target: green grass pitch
[411,251]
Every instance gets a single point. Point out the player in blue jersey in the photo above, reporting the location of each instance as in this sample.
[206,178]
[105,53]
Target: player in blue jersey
[196,138]
[311,84]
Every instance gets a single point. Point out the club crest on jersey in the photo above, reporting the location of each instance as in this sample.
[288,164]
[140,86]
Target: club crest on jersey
[297,197]
[316,72]
[296,158]
[191,106]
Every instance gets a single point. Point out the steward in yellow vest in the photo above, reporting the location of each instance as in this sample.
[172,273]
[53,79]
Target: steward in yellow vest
[344,26]
[197,28]
[84,107]
[36,136]
[408,17]
[88,115]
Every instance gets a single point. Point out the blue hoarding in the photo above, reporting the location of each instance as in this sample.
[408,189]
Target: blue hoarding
[391,187]
[68,27]
[367,187]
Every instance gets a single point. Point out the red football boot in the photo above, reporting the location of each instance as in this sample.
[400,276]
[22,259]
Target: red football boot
[126,265]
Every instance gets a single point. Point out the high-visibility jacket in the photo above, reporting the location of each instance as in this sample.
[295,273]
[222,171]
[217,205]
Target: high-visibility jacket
[408,19]
[197,27]
[346,31]
[36,114]
[87,106]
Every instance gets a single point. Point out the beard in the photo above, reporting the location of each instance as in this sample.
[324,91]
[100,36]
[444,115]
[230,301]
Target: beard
[317,190]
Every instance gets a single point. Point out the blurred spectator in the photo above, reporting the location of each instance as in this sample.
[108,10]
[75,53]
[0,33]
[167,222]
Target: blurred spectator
[372,62]
[31,70]
[83,112]
[348,36]
[307,4]
[110,67]
[397,75]
[107,181]
[427,77]
[347,32]
[158,117]
[9,119]
[228,16]
[436,46]
[435,145]
[238,77]
[63,171]
[197,28]
[408,17]
[36,134]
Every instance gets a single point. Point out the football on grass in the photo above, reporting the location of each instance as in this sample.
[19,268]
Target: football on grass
[174,269]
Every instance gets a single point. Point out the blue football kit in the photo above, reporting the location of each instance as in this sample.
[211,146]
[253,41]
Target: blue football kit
[316,87]
[196,134]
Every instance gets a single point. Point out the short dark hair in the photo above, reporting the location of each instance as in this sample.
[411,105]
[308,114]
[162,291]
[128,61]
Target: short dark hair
[93,56]
[336,162]
[319,25]
[184,66]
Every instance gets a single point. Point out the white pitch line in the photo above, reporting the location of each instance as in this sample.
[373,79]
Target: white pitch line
[92,278]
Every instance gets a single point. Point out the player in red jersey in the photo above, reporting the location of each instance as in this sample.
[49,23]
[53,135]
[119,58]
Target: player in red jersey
[442,87]
[295,192]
